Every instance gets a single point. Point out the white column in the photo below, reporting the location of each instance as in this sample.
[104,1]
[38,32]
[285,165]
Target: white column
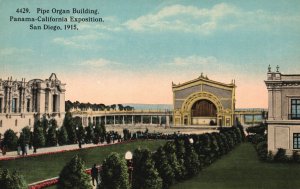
[167,121]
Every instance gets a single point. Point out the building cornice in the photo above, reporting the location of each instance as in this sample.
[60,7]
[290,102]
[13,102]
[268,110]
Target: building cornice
[200,81]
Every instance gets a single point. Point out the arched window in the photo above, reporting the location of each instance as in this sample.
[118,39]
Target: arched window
[16,122]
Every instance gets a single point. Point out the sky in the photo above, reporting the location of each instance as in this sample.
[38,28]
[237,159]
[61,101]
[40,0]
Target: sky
[143,46]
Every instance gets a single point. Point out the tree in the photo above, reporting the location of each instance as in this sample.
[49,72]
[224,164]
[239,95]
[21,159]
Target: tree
[114,173]
[80,134]
[170,150]
[89,134]
[145,176]
[70,128]
[11,180]
[191,160]
[120,107]
[73,175]
[45,124]
[51,137]
[38,138]
[113,106]
[10,139]
[68,105]
[180,151]
[164,168]
[97,134]
[27,135]
[62,136]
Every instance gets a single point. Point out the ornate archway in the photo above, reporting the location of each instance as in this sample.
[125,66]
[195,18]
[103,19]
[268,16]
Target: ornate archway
[202,108]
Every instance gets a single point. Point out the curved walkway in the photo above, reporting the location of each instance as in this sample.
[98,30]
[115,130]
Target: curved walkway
[47,150]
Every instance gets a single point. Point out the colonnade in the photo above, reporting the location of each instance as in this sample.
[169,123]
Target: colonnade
[126,119]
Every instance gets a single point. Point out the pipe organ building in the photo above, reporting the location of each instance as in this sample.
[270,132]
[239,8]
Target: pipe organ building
[203,102]
[22,102]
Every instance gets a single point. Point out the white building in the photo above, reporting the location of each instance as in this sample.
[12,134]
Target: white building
[284,111]
[21,102]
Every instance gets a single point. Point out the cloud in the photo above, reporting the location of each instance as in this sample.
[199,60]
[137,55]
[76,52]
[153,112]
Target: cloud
[193,61]
[110,24]
[14,51]
[192,19]
[98,63]
[182,18]
[80,41]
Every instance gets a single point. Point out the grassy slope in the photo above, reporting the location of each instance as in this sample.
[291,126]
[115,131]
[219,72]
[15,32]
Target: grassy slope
[241,169]
[48,166]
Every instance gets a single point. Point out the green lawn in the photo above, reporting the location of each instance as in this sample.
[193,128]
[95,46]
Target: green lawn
[48,166]
[241,169]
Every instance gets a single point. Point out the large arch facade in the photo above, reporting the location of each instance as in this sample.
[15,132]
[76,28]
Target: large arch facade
[218,97]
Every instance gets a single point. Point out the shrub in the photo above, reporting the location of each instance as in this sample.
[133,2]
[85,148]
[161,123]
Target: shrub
[180,151]
[164,169]
[12,180]
[89,137]
[114,173]
[296,156]
[260,129]
[27,135]
[280,156]
[73,175]
[70,128]
[170,150]
[62,136]
[10,140]
[262,150]
[145,176]
[257,138]
[270,156]
[38,137]
[51,137]
[191,160]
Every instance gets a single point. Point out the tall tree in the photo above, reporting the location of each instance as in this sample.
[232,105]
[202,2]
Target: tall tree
[51,137]
[38,138]
[73,175]
[114,173]
[10,140]
[164,168]
[145,176]
[89,134]
[191,160]
[70,128]
[170,150]
[27,135]
[62,136]
[13,180]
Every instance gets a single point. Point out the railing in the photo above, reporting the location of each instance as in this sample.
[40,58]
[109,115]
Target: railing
[294,116]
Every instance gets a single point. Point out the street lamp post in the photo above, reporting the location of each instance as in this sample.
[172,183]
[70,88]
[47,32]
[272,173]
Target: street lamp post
[78,136]
[128,157]
[56,129]
[191,140]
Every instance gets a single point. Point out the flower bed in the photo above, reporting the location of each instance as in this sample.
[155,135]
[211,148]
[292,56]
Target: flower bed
[52,181]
